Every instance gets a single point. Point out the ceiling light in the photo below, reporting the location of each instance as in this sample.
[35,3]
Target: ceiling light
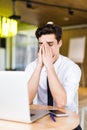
[28,4]
[71,12]
[14,16]
[8,27]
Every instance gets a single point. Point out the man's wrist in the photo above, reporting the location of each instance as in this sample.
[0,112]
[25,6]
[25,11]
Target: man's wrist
[39,66]
[49,68]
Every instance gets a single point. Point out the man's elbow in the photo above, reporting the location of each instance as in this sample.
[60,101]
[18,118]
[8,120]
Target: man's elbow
[62,104]
[30,103]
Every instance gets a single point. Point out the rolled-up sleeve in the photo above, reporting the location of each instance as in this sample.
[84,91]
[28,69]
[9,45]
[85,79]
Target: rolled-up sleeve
[29,70]
[71,83]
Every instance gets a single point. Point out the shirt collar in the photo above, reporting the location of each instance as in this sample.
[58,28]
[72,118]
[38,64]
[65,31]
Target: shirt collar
[57,63]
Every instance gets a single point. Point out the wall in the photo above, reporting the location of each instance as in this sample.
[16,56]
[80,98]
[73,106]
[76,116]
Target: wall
[75,33]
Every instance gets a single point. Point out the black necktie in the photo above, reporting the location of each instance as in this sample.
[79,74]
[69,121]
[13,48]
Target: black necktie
[49,95]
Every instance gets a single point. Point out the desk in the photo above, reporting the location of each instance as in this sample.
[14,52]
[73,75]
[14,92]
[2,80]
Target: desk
[45,123]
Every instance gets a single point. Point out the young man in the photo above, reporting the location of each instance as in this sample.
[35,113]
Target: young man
[63,74]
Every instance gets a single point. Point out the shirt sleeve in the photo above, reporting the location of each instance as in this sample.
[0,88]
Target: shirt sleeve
[71,83]
[29,70]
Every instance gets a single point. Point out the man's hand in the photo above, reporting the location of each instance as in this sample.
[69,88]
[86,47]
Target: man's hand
[40,61]
[47,55]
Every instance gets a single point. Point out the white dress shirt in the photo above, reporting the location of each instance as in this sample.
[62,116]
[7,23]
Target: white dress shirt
[69,75]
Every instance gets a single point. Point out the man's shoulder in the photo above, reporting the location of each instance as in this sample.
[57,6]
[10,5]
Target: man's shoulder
[69,63]
[32,64]
[69,67]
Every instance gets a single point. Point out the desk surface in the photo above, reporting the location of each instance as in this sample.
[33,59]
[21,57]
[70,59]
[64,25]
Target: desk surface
[45,123]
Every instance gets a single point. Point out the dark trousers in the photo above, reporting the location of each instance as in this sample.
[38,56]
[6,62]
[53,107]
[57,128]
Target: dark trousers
[78,128]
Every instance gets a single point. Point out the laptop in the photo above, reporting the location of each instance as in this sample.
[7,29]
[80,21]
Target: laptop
[14,103]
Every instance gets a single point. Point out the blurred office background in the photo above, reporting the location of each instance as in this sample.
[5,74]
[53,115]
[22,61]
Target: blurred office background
[18,47]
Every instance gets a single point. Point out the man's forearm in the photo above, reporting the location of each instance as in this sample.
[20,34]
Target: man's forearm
[33,83]
[57,90]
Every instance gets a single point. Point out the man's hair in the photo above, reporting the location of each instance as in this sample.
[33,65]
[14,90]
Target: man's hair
[49,28]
